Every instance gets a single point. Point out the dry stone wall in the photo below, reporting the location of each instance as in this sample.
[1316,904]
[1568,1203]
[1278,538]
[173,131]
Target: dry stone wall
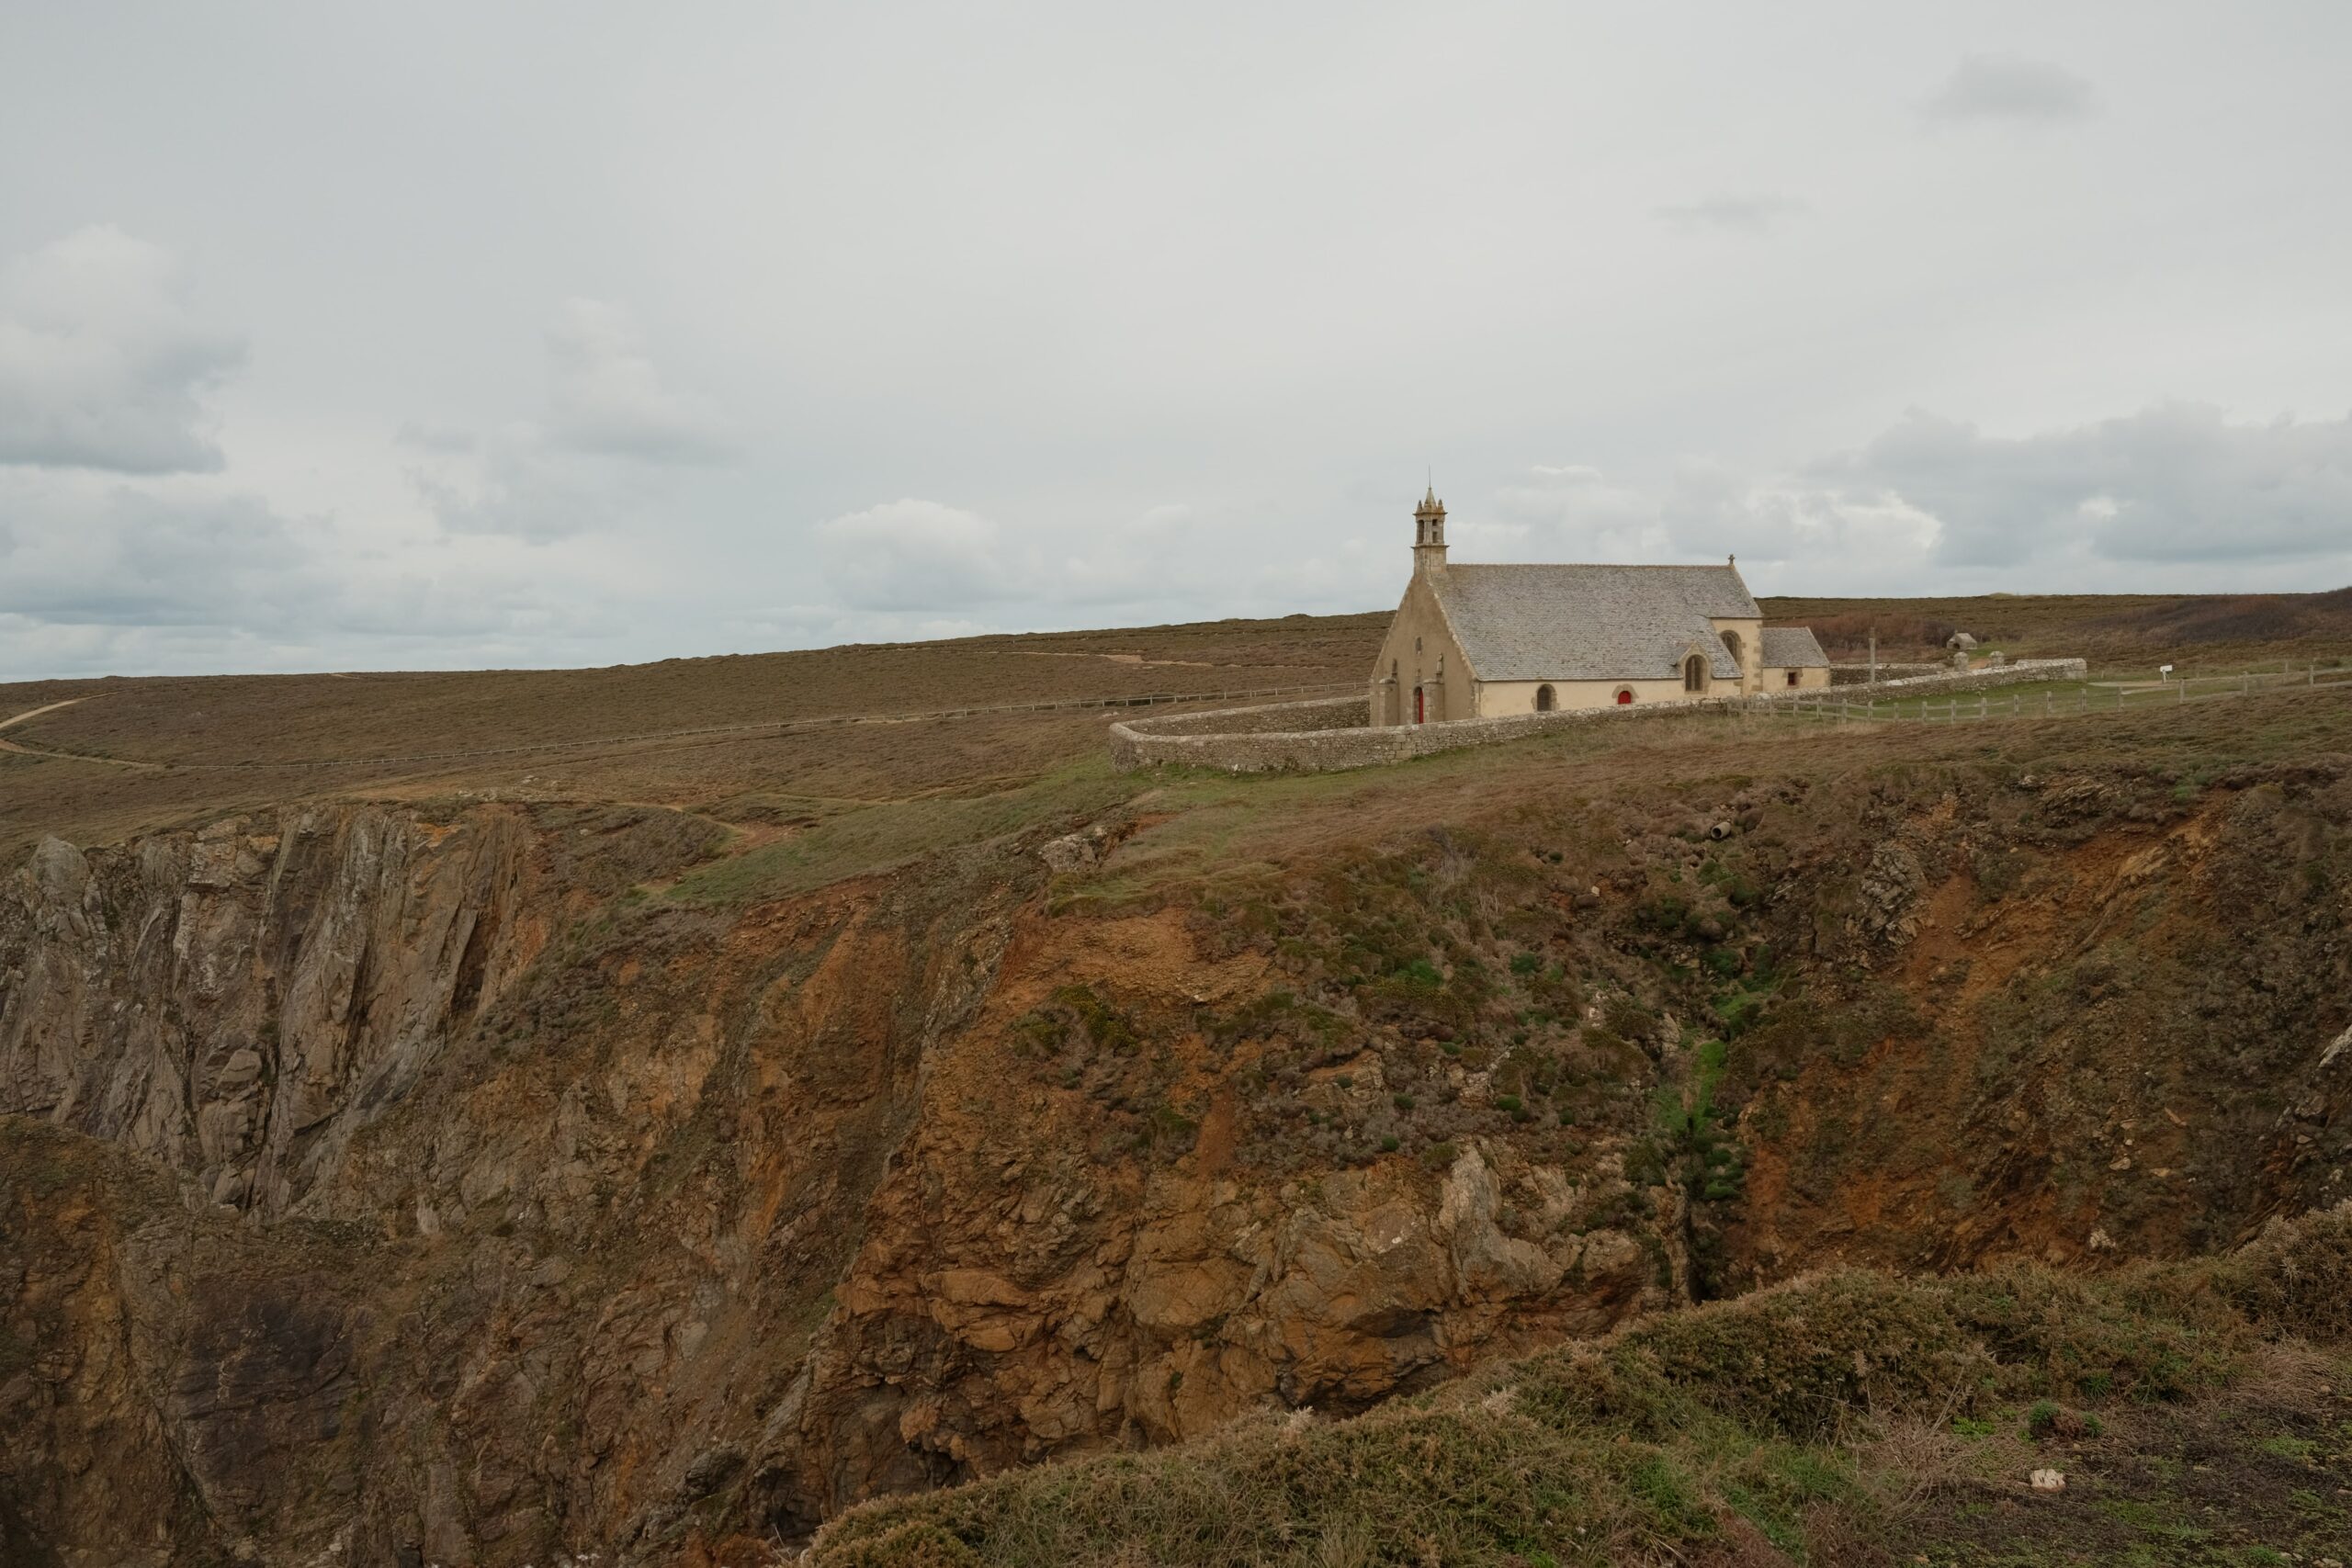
[2022,672]
[1335,733]
[1318,714]
[1863,675]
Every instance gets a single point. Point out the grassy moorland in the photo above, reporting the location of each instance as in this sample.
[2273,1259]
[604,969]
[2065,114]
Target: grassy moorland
[745,739]
[2118,633]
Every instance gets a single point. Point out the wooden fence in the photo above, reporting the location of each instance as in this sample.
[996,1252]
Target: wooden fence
[1838,705]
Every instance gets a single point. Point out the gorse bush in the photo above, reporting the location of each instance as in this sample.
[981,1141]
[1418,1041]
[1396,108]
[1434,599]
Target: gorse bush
[1681,1428]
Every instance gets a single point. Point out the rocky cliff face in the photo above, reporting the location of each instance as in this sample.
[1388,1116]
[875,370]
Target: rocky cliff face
[498,1207]
[1067,1259]
[479,1207]
[235,1003]
[384,1188]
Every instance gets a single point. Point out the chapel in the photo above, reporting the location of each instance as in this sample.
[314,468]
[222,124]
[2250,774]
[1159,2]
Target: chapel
[1475,641]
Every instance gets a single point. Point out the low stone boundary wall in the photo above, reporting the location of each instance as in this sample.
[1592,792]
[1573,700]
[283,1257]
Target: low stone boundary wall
[1860,674]
[1335,733]
[1320,714]
[2020,672]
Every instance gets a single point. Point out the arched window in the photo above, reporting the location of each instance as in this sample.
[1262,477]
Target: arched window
[1624,696]
[1731,643]
[1694,674]
[1545,699]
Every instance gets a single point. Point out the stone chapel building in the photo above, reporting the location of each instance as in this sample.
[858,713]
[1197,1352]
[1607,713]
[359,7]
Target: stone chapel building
[1483,641]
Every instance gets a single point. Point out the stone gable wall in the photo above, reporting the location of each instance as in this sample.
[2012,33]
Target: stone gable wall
[1333,733]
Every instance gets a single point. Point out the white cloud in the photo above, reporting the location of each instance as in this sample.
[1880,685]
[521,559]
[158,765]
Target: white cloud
[607,395]
[1734,214]
[103,362]
[1167,550]
[2009,87]
[913,555]
[1564,511]
[612,426]
[1712,511]
[512,483]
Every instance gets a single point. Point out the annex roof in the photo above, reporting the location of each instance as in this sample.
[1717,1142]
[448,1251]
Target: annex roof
[1791,648]
[1590,623]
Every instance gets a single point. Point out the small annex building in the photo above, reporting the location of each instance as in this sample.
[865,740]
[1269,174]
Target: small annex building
[1483,641]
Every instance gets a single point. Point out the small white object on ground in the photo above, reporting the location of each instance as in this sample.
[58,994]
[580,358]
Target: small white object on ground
[2050,1481]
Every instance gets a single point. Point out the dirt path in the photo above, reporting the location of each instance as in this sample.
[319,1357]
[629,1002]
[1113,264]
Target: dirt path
[706,735]
[36,713]
[61,756]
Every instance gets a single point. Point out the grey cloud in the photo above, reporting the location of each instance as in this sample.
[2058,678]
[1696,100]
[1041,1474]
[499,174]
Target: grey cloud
[425,435]
[913,555]
[608,397]
[110,554]
[613,423]
[110,574]
[103,363]
[2175,483]
[910,559]
[1709,510]
[1275,302]
[513,485]
[1734,214]
[1573,509]
[2010,87]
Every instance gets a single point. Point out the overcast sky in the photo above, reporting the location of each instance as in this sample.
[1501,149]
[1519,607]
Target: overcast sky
[429,335]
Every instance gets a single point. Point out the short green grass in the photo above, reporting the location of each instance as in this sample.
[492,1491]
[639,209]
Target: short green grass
[867,839]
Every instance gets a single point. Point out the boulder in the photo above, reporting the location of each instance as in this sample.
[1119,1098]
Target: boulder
[1075,851]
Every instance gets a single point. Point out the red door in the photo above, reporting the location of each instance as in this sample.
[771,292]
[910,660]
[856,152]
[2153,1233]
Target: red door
[1420,710]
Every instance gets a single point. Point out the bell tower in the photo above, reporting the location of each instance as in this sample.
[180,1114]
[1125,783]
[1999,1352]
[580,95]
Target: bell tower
[1428,534]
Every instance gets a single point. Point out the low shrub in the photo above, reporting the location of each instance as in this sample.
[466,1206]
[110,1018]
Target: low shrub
[1672,1430]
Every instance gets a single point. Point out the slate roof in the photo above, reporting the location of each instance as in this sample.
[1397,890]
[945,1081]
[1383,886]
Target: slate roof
[1793,647]
[1590,623]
